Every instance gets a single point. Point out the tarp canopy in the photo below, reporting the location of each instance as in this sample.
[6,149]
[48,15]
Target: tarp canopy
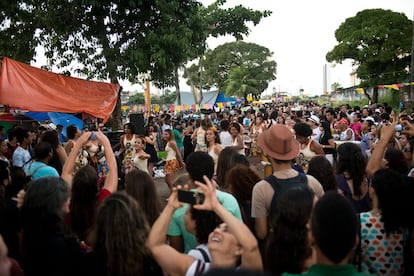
[188,98]
[57,118]
[35,89]
[221,98]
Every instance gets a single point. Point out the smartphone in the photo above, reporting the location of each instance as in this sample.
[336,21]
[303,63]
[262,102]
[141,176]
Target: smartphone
[190,197]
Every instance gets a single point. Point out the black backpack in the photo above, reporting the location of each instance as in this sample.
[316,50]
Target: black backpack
[282,185]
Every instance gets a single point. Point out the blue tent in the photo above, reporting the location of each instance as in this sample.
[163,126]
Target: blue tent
[57,118]
[221,98]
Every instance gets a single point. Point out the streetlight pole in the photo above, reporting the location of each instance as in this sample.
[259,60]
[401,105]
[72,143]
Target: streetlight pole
[412,68]
[147,94]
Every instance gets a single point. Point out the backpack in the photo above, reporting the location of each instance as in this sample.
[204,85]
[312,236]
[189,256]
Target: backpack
[282,185]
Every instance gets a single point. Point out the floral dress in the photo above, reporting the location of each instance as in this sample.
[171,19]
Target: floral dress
[254,148]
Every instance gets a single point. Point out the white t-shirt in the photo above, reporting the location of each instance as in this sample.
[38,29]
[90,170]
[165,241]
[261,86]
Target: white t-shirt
[225,139]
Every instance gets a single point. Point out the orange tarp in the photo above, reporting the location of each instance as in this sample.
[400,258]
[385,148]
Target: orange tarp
[34,89]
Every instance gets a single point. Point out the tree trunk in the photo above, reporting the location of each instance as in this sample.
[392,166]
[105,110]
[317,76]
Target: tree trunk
[115,121]
[368,96]
[200,99]
[375,95]
[177,87]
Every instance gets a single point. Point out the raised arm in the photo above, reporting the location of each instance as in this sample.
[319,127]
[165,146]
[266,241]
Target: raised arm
[61,153]
[111,180]
[171,261]
[375,161]
[69,167]
[251,258]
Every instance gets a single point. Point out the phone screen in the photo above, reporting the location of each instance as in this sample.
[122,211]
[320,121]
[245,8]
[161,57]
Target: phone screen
[190,197]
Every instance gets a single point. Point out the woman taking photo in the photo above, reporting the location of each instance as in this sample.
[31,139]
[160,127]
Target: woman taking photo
[228,243]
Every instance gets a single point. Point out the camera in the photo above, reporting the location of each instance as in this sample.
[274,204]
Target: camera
[399,127]
[191,197]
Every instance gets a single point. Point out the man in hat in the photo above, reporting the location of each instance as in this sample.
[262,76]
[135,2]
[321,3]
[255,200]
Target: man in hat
[313,122]
[346,133]
[280,147]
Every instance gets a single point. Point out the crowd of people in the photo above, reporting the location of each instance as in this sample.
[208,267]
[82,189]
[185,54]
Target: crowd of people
[278,189]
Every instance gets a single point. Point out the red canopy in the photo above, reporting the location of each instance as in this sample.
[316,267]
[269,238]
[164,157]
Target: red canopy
[35,89]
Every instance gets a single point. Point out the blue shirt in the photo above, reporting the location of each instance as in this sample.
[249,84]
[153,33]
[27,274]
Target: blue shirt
[39,169]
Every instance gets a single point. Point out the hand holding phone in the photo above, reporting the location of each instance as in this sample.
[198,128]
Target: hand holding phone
[191,197]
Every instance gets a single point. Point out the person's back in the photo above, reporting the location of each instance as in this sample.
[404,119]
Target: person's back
[225,136]
[118,240]
[384,230]
[141,187]
[46,248]
[280,147]
[288,248]
[334,229]
[40,168]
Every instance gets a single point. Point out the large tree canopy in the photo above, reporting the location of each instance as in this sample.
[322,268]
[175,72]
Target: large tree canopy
[379,43]
[118,39]
[238,64]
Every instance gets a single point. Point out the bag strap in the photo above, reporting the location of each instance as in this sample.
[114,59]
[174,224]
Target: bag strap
[199,268]
[35,171]
[205,255]
[279,188]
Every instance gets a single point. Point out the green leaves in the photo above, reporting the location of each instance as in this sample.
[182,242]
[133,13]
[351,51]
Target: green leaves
[245,59]
[379,43]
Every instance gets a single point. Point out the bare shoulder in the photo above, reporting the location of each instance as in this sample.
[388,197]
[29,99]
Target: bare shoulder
[315,185]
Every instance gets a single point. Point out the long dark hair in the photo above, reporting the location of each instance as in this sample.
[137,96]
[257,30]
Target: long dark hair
[287,246]
[141,187]
[119,234]
[83,201]
[43,223]
[322,170]
[224,164]
[351,160]
[394,199]
[242,179]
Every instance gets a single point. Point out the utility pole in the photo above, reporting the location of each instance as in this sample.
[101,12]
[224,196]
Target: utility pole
[411,96]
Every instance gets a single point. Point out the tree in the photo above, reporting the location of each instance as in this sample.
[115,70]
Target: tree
[248,61]
[335,86]
[116,40]
[219,21]
[105,39]
[240,83]
[379,43]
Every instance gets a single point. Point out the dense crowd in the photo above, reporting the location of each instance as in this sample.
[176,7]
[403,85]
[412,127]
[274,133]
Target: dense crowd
[278,189]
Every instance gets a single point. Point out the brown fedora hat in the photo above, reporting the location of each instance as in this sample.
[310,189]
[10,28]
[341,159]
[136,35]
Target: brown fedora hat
[278,143]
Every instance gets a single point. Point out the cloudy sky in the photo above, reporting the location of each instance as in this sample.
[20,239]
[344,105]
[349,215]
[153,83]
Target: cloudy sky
[301,32]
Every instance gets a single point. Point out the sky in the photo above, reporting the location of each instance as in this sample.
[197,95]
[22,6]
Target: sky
[300,33]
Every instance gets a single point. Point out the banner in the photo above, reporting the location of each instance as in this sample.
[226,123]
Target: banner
[35,89]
